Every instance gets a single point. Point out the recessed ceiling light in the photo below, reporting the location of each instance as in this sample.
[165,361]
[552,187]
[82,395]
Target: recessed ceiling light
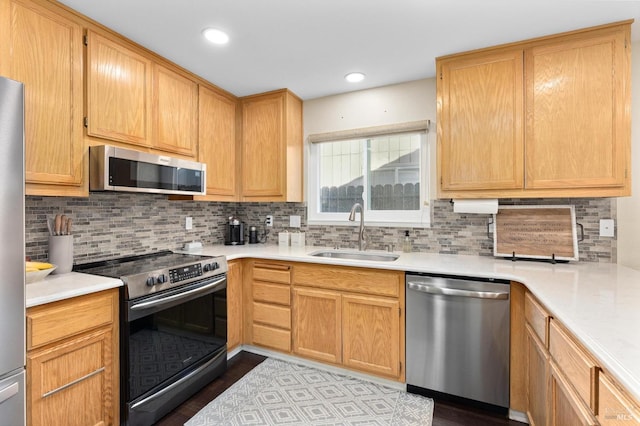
[354,77]
[215,36]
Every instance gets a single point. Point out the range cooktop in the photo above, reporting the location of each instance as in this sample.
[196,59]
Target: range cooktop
[158,271]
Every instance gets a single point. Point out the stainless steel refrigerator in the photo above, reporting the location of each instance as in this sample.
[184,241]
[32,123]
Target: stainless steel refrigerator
[12,286]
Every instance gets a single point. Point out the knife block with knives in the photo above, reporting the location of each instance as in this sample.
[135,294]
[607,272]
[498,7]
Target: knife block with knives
[61,244]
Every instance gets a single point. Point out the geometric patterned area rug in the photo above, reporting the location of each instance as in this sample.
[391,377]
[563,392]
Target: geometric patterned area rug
[277,392]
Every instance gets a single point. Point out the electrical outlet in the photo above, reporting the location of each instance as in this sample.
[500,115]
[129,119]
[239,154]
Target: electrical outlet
[188,223]
[269,221]
[607,227]
[294,221]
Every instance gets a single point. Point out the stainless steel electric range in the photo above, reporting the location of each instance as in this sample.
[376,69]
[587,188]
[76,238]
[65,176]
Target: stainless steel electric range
[173,328]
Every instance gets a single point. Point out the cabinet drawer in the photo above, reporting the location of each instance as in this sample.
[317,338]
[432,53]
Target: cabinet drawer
[59,320]
[272,337]
[574,363]
[278,316]
[274,272]
[537,318]
[614,407]
[357,280]
[272,293]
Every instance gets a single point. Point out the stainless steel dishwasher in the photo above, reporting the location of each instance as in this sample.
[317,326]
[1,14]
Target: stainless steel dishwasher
[457,341]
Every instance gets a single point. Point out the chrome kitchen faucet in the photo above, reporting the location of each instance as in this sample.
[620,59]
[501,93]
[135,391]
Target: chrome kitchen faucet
[362,241]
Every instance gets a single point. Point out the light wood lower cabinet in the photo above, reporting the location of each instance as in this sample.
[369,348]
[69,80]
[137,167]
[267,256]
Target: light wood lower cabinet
[234,304]
[268,300]
[565,385]
[72,362]
[567,408]
[337,320]
[615,408]
[371,334]
[537,379]
[317,324]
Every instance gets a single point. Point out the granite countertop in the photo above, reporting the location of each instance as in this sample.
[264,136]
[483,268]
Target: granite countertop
[598,302]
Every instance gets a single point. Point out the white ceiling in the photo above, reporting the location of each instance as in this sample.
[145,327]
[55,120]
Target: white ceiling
[309,45]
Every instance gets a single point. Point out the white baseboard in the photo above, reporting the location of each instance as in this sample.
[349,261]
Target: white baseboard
[518,416]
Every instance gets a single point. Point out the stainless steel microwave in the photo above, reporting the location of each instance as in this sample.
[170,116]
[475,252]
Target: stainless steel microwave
[119,169]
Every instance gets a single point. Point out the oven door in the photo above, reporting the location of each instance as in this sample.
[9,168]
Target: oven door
[173,344]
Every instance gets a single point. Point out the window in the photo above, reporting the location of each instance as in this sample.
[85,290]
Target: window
[385,173]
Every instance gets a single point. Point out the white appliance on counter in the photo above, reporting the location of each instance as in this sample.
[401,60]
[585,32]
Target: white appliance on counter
[12,302]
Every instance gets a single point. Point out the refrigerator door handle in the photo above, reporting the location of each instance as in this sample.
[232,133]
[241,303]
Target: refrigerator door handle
[9,391]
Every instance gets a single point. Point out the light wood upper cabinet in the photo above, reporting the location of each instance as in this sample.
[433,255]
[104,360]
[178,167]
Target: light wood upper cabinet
[217,144]
[119,84]
[548,117]
[44,51]
[175,112]
[577,125]
[481,112]
[272,147]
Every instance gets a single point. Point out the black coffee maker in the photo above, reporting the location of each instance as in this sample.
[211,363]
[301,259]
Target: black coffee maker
[234,232]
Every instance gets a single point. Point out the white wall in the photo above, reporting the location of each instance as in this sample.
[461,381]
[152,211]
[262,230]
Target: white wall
[398,103]
[628,208]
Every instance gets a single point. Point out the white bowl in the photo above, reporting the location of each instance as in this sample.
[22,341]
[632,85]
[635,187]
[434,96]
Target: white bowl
[32,277]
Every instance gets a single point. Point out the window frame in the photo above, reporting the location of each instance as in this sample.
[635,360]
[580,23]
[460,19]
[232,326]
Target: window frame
[384,218]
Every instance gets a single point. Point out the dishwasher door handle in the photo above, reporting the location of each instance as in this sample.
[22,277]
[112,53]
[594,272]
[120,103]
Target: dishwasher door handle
[424,288]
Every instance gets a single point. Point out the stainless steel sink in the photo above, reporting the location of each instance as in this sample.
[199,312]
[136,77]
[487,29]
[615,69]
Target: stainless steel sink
[356,255]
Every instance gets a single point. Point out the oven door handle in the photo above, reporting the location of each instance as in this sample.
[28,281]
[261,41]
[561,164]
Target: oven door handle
[178,382]
[167,299]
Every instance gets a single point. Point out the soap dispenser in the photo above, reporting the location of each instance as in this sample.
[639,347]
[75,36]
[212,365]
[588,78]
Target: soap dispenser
[406,243]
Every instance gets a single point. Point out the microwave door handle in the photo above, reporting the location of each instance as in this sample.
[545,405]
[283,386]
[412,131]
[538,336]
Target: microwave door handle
[446,291]
[167,299]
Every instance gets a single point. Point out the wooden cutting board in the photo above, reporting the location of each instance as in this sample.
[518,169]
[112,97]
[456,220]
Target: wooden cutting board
[535,232]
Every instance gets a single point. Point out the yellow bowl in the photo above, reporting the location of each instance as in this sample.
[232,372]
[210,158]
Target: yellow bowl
[32,277]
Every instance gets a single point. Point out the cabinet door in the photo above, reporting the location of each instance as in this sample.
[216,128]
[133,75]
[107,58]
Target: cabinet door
[577,105]
[371,334]
[175,102]
[46,55]
[480,130]
[537,379]
[118,92]
[234,304]
[615,408]
[217,144]
[70,384]
[567,409]
[317,332]
[263,148]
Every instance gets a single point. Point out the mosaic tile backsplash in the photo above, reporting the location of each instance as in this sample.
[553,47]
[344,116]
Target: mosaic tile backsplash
[107,225]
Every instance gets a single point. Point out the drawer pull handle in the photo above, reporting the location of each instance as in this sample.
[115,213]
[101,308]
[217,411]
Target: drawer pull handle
[76,381]
[272,266]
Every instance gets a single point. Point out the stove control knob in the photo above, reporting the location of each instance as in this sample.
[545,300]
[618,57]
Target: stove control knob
[214,266]
[206,267]
[162,278]
[151,281]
